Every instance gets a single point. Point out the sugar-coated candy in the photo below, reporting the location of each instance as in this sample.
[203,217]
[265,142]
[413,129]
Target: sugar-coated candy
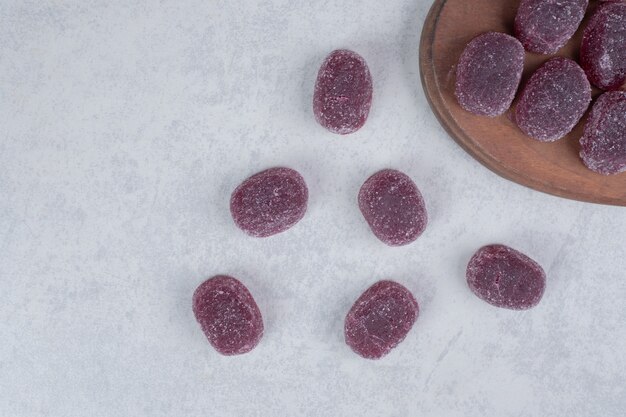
[228,315]
[603,145]
[488,73]
[544,26]
[603,48]
[554,99]
[380,319]
[343,92]
[393,207]
[269,202]
[505,277]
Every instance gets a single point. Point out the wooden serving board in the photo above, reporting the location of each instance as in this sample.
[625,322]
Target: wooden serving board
[497,143]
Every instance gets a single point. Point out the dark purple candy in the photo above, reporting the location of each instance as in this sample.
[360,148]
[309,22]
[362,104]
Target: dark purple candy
[603,145]
[269,202]
[554,99]
[380,319]
[343,92]
[488,74]
[393,207]
[228,315]
[603,48]
[544,26]
[505,277]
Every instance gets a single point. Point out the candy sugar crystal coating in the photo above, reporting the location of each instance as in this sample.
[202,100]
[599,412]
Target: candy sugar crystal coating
[603,48]
[505,277]
[228,315]
[343,92]
[269,202]
[544,26]
[393,207]
[603,145]
[380,319]
[488,73]
[554,99]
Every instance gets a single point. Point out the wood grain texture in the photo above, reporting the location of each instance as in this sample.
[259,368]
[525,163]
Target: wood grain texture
[497,143]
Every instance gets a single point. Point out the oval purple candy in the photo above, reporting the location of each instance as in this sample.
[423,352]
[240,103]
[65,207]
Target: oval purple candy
[505,277]
[545,26]
[554,99]
[269,202]
[380,319]
[228,315]
[603,145]
[343,92]
[393,207]
[488,74]
[603,48]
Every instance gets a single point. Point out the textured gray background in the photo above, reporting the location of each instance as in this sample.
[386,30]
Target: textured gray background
[125,125]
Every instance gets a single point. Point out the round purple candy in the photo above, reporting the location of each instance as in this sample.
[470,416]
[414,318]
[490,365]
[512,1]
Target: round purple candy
[269,202]
[603,145]
[488,73]
[228,315]
[554,99]
[505,277]
[603,48]
[380,319]
[393,207]
[343,92]
[544,26]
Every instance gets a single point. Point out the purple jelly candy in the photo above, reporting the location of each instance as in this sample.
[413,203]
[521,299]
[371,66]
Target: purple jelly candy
[554,99]
[505,277]
[393,207]
[603,48]
[269,202]
[545,26]
[488,74]
[380,319]
[228,315]
[603,145]
[343,92]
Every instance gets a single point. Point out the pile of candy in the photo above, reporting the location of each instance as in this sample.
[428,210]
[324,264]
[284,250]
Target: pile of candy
[558,94]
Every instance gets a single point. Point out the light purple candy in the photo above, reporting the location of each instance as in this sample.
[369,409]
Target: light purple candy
[554,99]
[380,319]
[228,315]
[343,92]
[393,207]
[603,48]
[603,145]
[505,277]
[269,202]
[488,73]
[545,26]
